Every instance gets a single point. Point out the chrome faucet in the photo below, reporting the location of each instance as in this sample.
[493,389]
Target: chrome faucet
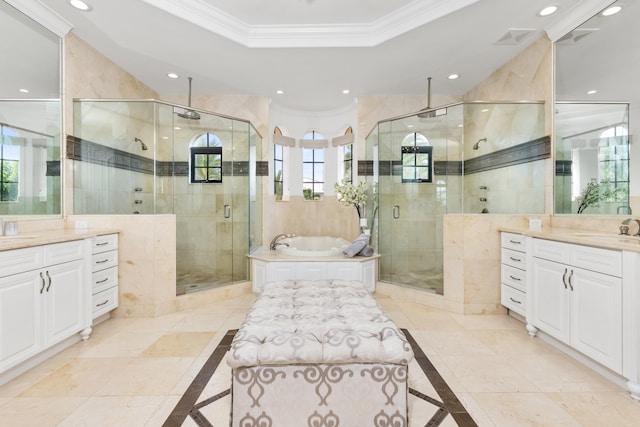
[624,227]
[274,241]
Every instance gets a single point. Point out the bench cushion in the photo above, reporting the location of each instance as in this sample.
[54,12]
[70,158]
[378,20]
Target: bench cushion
[310,322]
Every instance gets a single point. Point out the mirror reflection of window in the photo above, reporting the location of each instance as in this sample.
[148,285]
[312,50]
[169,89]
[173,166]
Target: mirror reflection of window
[9,165]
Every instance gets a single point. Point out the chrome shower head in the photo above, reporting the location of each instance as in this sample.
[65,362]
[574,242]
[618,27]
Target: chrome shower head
[142,144]
[477,144]
[189,114]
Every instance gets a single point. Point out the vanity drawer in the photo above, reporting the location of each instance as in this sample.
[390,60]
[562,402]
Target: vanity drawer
[104,301]
[59,253]
[20,260]
[104,279]
[604,261]
[104,243]
[104,260]
[552,251]
[514,277]
[514,258]
[514,299]
[516,242]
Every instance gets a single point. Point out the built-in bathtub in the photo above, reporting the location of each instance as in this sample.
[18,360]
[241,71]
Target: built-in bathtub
[312,246]
[311,258]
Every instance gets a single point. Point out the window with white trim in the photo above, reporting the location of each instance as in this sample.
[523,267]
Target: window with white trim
[313,169]
[206,159]
[417,158]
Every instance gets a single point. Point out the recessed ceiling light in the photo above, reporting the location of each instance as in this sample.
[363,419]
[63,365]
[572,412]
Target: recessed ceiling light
[346,91]
[279,92]
[591,92]
[453,76]
[177,128]
[484,110]
[409,126]
[80,5]
[24,90]
[611,10]
[549,10]
[172,75]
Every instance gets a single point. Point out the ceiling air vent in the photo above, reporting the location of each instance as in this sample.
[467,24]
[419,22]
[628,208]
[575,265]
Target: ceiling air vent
[515,36]
[575,36]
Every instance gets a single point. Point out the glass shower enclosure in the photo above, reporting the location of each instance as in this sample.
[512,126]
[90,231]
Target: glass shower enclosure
[148,157]
[459,159]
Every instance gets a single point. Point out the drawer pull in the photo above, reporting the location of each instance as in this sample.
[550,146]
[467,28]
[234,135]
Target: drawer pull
[102,281]
[102,244]
[103,261]
[49,277]
[515,259]
[42,278]
[515,242]
[102,303]
[515,278]
[564,278]
[515,300]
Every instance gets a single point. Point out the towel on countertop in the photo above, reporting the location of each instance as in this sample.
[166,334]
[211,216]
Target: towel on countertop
[366,251]
[357,246]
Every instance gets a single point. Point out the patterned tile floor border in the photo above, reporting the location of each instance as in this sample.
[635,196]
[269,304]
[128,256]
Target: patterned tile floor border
[192,405]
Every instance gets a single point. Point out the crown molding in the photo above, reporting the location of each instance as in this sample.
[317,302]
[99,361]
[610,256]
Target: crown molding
[576,16]
[43,16]
[400,21]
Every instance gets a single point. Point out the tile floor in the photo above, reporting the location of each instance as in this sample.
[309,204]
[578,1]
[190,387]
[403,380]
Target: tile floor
[132,372]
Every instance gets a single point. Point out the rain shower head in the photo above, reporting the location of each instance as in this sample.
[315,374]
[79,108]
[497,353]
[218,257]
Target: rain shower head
[427,112]
[142,144]
[189,114]
[477,144]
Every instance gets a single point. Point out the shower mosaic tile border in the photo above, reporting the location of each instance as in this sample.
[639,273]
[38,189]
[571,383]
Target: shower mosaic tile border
[192,405]
[526,152]
[87,151]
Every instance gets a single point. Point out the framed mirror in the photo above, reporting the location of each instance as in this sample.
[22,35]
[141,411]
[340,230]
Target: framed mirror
[596,66]
[30,116]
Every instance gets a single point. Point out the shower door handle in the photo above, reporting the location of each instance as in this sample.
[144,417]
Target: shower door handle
[396,212]
[227,211]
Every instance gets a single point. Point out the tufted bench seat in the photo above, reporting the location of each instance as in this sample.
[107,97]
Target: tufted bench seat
[318,351]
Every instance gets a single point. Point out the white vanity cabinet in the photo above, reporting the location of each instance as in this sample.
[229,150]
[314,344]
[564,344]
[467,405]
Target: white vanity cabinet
[513,272]
[576,296]
[104,274]
[43,296]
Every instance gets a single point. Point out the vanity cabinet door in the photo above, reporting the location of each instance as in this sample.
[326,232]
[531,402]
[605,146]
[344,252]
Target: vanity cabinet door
[596,317]
[66,298]
[20,318]
[551,299]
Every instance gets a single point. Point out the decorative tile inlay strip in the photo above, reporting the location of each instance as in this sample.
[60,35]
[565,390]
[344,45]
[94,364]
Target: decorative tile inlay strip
[563,167]
[53,168]
[262,168]
[526,152]
[191,404]
[91,152]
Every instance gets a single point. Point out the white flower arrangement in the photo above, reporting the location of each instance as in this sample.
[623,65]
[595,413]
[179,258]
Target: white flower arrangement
[352,195]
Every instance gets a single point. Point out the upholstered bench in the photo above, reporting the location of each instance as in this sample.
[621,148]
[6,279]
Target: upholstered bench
[318,353]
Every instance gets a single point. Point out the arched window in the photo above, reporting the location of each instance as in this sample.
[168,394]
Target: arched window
[313,168]
[206,159]
[417,158]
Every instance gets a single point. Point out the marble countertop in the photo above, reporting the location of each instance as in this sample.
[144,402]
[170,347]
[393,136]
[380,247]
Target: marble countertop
[601,239]
[47,237]
[264,254]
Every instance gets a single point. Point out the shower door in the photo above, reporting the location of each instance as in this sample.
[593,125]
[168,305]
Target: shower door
[211,211]
[413,154]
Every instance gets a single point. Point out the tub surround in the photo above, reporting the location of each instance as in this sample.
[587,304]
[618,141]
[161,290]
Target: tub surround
[269,266]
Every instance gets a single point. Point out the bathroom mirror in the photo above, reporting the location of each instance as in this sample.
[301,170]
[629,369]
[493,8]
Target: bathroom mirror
[30,116]
[596,68]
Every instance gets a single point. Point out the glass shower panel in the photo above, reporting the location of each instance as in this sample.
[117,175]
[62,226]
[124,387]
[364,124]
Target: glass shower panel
[239,156]
[204,224]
